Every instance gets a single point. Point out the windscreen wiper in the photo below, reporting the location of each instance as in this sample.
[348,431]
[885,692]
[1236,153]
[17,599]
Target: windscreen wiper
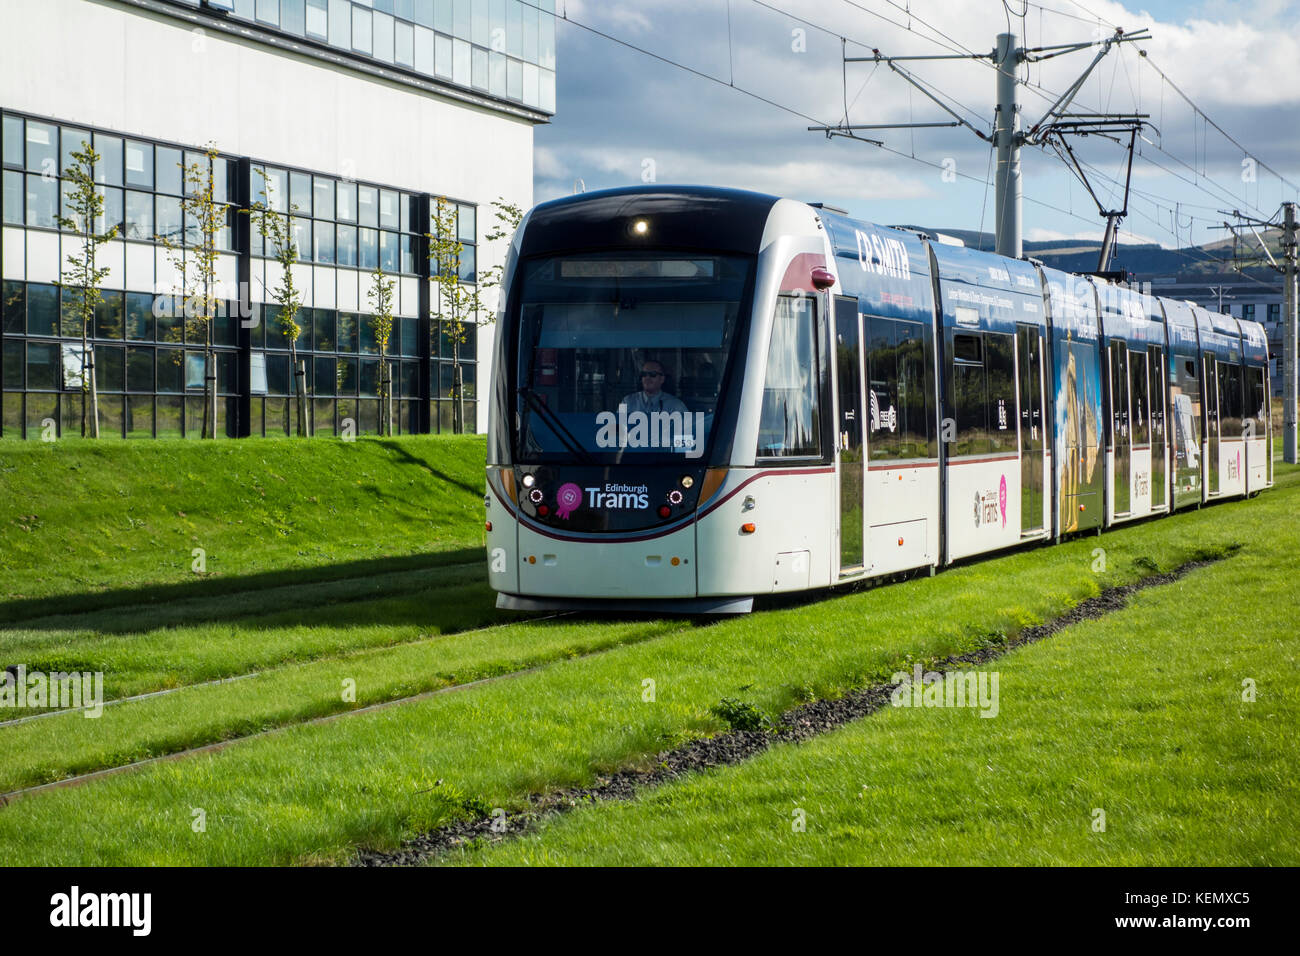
[570,442]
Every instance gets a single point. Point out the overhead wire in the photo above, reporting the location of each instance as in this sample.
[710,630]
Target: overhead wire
[1042,91]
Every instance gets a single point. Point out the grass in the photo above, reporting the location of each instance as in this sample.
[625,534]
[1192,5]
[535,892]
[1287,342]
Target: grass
[140,650]
[65,744]
[313,792]
[1139,715]
[117,523]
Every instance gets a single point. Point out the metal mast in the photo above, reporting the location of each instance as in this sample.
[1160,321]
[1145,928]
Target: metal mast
[1290,323]
[1006,134]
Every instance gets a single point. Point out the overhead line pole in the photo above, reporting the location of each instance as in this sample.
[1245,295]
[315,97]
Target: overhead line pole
[1006,134]
[1290,393]
[1290,322]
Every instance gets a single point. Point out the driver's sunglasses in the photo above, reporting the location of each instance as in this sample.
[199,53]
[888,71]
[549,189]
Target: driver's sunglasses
[645,374]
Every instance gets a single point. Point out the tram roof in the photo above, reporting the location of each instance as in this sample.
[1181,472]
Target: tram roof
[706,218]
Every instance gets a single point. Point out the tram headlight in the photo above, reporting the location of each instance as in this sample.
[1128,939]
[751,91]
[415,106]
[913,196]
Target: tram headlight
[687,481]
[640,228]
[535,496]
[674,497]
[529,481]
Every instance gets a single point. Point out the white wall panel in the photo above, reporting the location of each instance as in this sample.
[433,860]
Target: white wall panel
[347,290]
[15,253]
[227,274]
[410,297]
[42,256]
[139,267]
[323,283]
[167,278]
[112,256]
[302,275]
[274,276]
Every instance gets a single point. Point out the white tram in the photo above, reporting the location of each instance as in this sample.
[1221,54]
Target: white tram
[703,395]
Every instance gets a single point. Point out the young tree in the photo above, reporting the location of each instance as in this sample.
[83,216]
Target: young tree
[507,218]
[86,203]
[196,262]
[277,234]
[457,306]
[381,294]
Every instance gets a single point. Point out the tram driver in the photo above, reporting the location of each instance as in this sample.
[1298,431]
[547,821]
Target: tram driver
[652,397]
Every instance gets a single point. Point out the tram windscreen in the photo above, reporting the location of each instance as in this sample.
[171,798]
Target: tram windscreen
[622,356]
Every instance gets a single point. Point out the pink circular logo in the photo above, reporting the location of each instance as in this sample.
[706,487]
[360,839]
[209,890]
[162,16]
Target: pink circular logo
[1002,499]
[568,498]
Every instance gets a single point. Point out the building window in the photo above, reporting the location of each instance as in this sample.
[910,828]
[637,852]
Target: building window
[149,354]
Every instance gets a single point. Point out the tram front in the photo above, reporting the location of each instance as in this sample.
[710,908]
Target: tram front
[615,393]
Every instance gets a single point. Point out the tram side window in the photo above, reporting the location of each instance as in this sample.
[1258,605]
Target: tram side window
[1139,397]
[1230,400]
[1119,396]
[884,413]
[916,390]
[1256,402]
[968,395]
[789,425]
[899,403]
[1000,361]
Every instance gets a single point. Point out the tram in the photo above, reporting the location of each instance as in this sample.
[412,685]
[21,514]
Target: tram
[701,396]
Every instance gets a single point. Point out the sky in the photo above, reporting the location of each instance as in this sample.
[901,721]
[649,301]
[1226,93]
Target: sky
[624,117]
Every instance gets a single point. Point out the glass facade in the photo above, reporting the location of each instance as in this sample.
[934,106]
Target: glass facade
[503,48]
[149,355]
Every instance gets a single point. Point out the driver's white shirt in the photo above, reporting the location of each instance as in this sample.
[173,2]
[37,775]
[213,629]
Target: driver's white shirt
[663,402]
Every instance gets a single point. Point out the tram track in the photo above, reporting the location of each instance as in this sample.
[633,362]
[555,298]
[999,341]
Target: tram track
[387,589]
[217,745]
[167,691]
[797,725]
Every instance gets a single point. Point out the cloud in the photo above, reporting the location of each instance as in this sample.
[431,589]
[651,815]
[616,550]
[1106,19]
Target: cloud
[736,110]
[1039,234]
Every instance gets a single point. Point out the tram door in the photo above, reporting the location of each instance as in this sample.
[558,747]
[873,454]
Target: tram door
[1120,433]
[1029,345]
[849,432]
[1159,483]
[1210,382]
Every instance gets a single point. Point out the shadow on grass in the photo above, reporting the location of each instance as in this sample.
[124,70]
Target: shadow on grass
[19,612]
[404,455]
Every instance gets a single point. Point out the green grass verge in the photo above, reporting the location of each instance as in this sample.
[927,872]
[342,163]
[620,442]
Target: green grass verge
[146,649]
[97,524]
[1139,715]
[65,744]
[312,792]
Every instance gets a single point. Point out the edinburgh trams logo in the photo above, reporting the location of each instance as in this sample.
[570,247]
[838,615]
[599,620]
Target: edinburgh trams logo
[618,496]
[990,505]
[1234,468]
